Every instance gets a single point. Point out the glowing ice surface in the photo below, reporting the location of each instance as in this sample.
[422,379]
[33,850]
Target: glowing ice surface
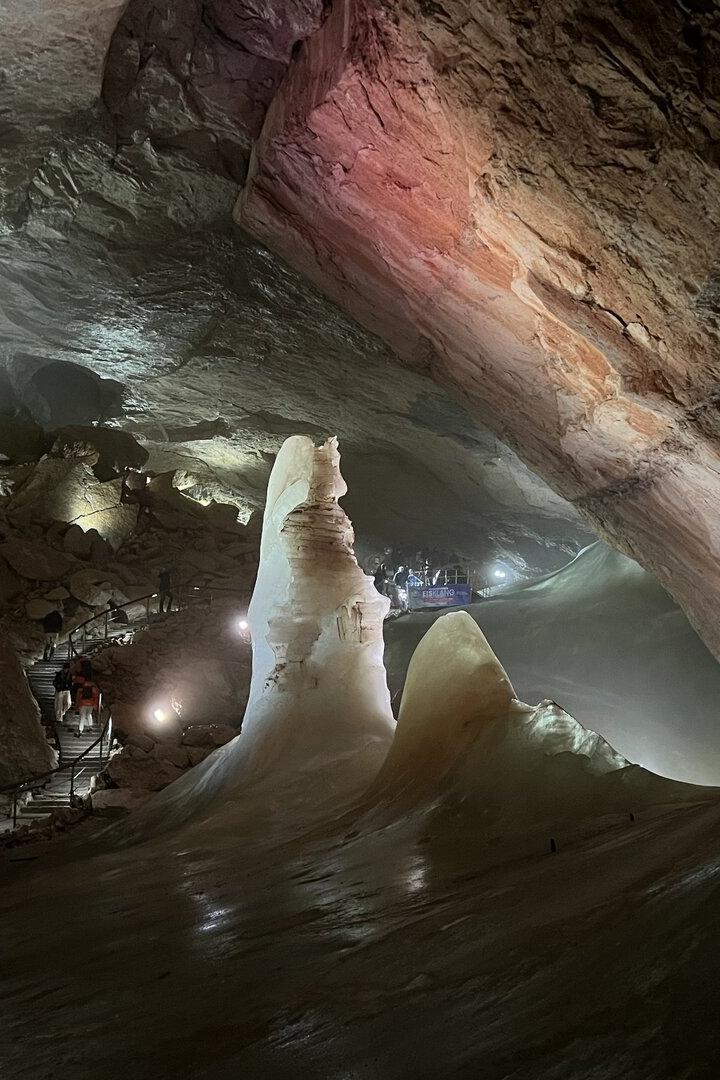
[318,683]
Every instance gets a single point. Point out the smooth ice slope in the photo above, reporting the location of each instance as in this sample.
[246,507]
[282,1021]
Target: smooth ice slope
[467,748]
[606,642]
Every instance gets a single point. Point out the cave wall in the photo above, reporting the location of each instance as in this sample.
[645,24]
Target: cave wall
[525,202]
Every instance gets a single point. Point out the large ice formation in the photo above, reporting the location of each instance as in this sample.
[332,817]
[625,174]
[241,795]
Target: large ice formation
[465,744]
[318,683]
[455,685]
[318,696]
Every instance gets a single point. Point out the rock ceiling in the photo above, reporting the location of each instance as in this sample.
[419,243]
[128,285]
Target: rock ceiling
[521,201]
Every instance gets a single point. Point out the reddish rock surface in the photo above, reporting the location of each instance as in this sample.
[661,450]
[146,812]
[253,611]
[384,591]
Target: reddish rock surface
[526,202]
[199,76]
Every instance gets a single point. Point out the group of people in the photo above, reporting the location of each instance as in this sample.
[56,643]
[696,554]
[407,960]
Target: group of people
[74,688]
[394,586]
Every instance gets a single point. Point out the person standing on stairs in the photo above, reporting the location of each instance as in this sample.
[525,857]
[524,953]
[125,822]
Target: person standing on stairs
[80,671]
[87,700]
[164,590]
[52,625]
[62,683]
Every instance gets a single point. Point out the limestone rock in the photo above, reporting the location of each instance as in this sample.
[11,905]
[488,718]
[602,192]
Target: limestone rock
[11,584]
[549,123]
[36,561]
[208,735]
[77,542]
[117,450]
[143,742]
[146,772]
[128,719]
[95,588]
[119,798]
[38,609]
[25,751]
[196,754]
[172,754]
[60,593]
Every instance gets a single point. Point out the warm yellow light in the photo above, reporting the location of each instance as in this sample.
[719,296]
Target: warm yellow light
[160,715]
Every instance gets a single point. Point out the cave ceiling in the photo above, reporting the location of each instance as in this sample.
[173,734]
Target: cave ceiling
[514,208]
[125,148]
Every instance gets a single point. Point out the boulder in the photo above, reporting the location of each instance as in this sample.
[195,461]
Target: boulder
[196,754]
[36,561]
[146,773]
[11,584]
[60,593]
[142,742]
[37,609]
[128,719]
[117,450]
[77,542]
[207,735]
[172,753]
[94,588]
[25,750]
[119,799]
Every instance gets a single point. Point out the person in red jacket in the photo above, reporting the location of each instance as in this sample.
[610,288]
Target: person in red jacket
[87,700]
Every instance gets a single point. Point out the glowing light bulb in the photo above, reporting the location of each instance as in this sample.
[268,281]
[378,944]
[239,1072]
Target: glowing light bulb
[160,715]
[243,624]
[500,574]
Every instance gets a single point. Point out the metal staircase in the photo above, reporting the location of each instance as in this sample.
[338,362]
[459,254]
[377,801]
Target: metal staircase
[81,759]
[58,788]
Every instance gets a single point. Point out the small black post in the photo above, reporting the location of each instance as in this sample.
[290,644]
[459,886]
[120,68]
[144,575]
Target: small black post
[632,816]
[554,845]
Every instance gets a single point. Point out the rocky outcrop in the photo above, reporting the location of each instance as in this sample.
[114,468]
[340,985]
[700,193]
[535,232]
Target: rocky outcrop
[24,750]
[193,667]
[211,370]
[527,202]
[146,764]
[522,202]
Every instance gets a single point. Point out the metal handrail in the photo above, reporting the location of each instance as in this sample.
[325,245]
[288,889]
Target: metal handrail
[35,781]
[146,600]
[40,781]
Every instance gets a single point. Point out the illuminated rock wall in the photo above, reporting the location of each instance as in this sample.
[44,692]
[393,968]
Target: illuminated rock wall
[526,203]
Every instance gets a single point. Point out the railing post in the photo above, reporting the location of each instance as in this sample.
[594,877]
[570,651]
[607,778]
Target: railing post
[147,608]
[72,782]
[14,809]
[106,624]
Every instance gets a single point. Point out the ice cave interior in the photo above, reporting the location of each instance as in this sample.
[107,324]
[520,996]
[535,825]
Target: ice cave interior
[359,539]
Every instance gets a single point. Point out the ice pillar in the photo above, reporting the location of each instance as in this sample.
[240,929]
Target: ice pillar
[318,685]
[455,687]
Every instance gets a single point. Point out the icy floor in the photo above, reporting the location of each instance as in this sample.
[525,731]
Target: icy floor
[236,950]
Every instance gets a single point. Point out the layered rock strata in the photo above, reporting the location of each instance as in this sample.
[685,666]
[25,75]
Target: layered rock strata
[526,202]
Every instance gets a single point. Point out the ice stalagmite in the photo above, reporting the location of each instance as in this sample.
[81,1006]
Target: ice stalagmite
[471,757]
[318,686]
[318,721]
[455,686]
